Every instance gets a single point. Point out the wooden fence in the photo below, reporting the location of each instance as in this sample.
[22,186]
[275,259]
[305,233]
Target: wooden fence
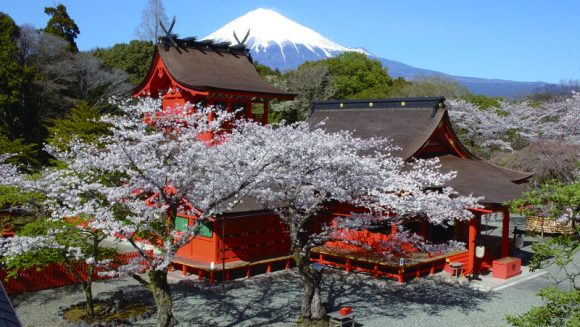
[53,275]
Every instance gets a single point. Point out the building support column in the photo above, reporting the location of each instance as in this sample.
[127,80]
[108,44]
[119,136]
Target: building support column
[471,245]
[505,233]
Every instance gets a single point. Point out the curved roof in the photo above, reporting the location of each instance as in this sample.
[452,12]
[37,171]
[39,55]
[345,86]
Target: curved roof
[478,177]
[409,126]
[410,123]
[206,67]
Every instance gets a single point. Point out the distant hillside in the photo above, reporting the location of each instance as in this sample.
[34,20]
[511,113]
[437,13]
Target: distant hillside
[281,43]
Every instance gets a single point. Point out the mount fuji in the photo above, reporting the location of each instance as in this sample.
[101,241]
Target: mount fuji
[281,43]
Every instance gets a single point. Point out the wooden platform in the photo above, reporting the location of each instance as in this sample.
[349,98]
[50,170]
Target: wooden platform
[414,266]
[204,269]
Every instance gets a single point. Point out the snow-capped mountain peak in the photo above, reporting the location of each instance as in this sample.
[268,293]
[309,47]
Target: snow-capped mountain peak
[273,35]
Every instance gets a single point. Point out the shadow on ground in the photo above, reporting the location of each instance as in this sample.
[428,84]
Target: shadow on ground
[274,299]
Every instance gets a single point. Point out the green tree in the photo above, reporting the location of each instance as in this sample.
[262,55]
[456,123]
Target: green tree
[312,82]
[353,72]
[12,77]
[61,24]
[81,122]
[134,58]
[557,201]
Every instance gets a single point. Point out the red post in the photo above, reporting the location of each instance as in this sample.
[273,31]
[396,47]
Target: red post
[400,276]
[423,231]
[227,275]
[248,272]
[269,268]
[287,264]
[200,274]
[393,229]
[376,271]
[432,270]
[347,265]
[321,258]
[505,233]
[183,270]
[471,244]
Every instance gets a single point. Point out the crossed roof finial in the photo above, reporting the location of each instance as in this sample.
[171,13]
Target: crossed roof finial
[245,37]
[168,34]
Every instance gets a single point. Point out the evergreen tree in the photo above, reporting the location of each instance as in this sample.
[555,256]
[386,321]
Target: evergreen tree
[134,58]
[61,24]
[82,122]
[12,76]
[353,72]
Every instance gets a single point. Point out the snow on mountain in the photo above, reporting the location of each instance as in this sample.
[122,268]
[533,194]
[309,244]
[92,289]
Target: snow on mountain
[279,41]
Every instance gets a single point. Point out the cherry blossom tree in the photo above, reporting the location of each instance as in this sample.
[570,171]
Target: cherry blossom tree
[317,169]
[62,232]
[184,161]
[500,127]
[8,172]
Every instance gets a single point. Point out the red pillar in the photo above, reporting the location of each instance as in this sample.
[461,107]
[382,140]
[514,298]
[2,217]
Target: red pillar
[423,231]
[393,229]
[471,244]
[505,233]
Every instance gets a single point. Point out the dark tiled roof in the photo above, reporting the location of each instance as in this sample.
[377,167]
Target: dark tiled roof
[206,66]
[478,177]
[410,123]
[8,317]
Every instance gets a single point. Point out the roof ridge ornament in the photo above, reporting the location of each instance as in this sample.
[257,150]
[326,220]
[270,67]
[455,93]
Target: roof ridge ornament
[243,41]
[168,36]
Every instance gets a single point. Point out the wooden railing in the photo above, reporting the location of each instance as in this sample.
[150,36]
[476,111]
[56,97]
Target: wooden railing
[53,275]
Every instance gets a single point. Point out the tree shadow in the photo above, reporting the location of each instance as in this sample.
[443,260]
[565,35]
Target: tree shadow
[378,297]
[275,298]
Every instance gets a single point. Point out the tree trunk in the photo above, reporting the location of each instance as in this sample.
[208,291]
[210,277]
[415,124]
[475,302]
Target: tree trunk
[162,295]
[311,302]
[90,305]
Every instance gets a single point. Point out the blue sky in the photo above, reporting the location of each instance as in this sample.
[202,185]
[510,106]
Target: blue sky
[533,40]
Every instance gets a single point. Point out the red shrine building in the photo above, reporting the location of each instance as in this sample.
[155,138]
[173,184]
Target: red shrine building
[421,128]
[217,74]
[249,239]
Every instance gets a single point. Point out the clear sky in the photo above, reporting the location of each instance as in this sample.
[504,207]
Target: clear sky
[524,40]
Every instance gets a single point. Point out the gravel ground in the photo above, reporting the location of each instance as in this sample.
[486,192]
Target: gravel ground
[273,300]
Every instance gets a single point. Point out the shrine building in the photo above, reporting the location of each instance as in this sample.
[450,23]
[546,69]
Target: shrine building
[421,128]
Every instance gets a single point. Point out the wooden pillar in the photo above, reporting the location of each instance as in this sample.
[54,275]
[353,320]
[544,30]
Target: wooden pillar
[266,110]
[505,233]
[393,229]
[423,227]
[249,114]
[471,244]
